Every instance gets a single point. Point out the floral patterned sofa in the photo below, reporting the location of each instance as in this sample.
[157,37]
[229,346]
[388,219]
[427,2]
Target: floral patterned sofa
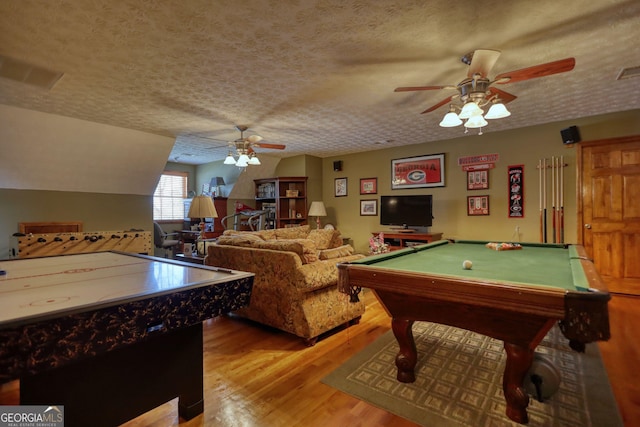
[295,287]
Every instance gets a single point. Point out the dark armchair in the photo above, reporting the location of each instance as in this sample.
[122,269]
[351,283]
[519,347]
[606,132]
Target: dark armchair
[161,241]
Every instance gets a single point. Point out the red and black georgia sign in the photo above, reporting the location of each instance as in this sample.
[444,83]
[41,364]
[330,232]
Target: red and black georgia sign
[516,191]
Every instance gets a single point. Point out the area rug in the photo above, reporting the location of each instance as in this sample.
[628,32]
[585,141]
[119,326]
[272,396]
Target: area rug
[459,381]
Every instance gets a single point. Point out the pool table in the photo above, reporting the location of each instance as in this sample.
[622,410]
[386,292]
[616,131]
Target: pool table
[515,296]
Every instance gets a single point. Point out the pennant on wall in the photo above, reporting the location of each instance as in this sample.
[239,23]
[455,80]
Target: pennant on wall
[516,191]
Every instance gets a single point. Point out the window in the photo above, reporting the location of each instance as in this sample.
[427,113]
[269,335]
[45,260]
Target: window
[168,199]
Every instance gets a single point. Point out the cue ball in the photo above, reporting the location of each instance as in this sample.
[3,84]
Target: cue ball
[466,264]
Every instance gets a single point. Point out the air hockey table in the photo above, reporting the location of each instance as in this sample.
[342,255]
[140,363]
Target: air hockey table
[110,335]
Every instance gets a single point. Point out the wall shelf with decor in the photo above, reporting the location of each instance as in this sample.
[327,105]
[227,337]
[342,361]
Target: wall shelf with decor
[287,196]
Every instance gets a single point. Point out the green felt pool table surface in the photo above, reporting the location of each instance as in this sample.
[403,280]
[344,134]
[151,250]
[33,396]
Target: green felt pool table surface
[535,264]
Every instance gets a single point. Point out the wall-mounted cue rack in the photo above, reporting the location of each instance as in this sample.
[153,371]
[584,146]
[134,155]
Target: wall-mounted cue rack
[551,180]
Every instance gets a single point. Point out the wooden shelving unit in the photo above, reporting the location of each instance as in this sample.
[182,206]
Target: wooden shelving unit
[285,197]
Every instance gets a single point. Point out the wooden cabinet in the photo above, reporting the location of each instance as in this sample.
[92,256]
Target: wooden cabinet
[221,208]
[285,198]
[402,240]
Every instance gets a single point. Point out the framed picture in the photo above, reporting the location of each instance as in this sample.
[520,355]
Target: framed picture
[477,205]
[368,207]
[368,185]
[478,180]
[417,172]
[340,187]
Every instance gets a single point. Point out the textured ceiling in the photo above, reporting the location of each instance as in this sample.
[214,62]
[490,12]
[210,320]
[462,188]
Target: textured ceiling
[317,76]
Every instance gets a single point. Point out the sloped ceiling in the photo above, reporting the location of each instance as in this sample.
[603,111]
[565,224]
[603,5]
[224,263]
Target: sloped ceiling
[49,152]
[315,75]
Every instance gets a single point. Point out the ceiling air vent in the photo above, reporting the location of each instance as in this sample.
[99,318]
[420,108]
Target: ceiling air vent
[627,73]
[26,73]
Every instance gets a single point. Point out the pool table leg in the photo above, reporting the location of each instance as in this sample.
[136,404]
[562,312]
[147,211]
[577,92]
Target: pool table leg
[408,355]
[519,360]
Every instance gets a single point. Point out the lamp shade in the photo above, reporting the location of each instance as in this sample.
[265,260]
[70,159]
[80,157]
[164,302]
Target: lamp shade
[470,109]
[497,111]
[216,181]
[243,161]
[450,120]
[317,209]
[253,160]
[475,122]
[202,207]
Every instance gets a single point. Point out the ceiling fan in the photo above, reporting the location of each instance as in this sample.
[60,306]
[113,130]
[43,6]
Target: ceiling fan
[476,92]
[243,148]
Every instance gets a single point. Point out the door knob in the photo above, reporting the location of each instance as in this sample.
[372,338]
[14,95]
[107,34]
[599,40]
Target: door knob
[587,226]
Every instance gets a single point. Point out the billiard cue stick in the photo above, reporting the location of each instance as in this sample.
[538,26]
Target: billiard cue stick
[544,199]
[553,198]
[558,168]
[561,199]
[556,206]
[540,195]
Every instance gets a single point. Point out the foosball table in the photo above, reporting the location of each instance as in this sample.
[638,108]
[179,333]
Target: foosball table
[31,245]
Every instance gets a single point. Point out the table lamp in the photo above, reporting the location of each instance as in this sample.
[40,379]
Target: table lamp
[317,209]
[202,207]
[217,182]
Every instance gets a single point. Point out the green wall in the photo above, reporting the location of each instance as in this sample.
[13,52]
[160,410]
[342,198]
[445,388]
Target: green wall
[515,147]
[240,186]
[309,166]
[97,211]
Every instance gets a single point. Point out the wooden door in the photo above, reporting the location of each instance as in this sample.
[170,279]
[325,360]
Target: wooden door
[609,209]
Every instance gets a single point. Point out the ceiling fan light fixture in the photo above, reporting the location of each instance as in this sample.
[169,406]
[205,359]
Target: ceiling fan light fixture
[242,149]
[497,111]
[450,120]
[475,92]
[470,109]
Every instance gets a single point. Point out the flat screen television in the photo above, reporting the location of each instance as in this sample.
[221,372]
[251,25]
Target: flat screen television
[406,211]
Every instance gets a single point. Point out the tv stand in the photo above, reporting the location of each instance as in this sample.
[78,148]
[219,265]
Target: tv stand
[402,230]
[399,240]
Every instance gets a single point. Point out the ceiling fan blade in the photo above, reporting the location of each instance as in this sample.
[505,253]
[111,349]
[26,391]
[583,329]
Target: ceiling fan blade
[542,70]
[505,97]
[438,105]
[254,138]
[482,62]
[414,88]
[267,145]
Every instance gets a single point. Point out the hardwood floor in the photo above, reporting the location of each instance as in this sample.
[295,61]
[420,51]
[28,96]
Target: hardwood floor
[259,377]
[621,355]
